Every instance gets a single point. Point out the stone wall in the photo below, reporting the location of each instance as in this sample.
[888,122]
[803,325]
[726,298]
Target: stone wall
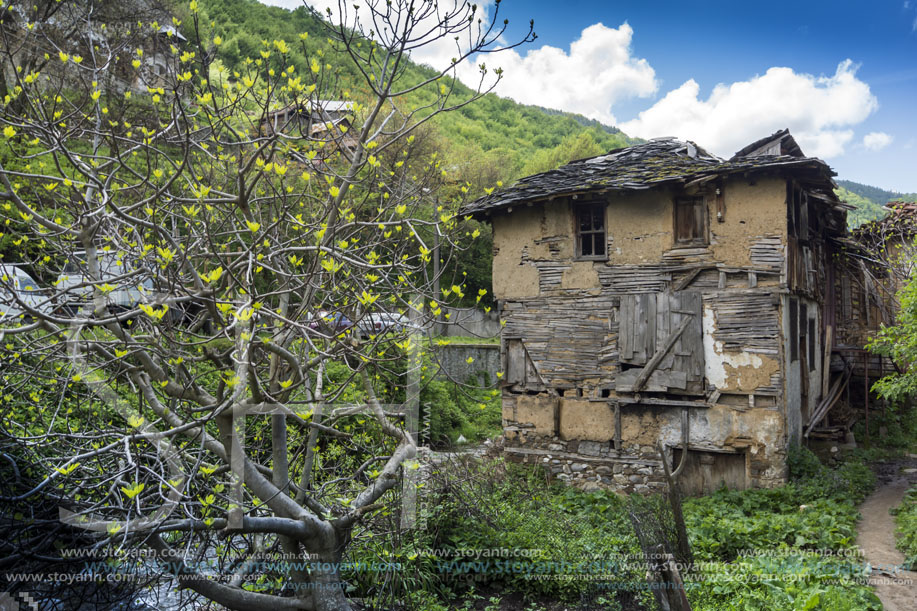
[453,360]
[589,464]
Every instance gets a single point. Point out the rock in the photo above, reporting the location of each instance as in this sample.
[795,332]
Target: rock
[617,468]
[590,487]
[635,479]
[578,467]
[556,447]
[908,471]
[620,479]
[834,449]
[461,439]
[563,476]
[641,489]
[645,470]
[590,448]
[603,470]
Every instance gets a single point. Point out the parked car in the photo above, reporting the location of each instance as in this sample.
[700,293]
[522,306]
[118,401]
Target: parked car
[18,288]
[334,322]
[126,294]
[381,322]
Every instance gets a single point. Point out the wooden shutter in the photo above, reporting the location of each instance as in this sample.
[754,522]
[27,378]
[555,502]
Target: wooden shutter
[690,220]
[661,338]
[520,371]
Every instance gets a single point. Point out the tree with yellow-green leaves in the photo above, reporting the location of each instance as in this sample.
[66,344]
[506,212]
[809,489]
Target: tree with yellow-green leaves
[235,263]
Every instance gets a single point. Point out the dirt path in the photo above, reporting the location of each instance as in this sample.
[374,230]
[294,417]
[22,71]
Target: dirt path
[896,588]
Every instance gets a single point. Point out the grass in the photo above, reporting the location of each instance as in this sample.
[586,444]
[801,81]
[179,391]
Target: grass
[906,532]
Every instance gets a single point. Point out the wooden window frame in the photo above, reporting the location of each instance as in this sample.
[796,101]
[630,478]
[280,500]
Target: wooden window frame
[695,202]
[595,235]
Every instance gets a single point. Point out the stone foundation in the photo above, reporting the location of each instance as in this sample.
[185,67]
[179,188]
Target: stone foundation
[589,464]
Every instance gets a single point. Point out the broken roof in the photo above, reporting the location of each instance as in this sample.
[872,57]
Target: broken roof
[659,162]
[778,143]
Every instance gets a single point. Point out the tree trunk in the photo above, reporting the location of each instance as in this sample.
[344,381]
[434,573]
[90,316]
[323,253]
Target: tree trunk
[328,588]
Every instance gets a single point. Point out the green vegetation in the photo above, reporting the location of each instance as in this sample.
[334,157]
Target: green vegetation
[906,519]
[790,547]
[899,342]
[866,209]
[874,194]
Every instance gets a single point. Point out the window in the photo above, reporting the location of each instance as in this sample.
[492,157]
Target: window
[690,221]
[590,231]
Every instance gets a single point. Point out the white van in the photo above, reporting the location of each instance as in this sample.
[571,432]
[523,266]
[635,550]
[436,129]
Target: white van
[17,288]
[125,294]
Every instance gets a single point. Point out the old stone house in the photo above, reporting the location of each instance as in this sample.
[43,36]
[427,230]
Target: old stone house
[659,293]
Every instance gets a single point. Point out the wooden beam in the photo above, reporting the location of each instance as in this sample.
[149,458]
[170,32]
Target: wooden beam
[689,278]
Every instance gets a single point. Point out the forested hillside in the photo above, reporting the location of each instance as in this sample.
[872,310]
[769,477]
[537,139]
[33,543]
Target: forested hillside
[875,194]
[866,209]
[493,139]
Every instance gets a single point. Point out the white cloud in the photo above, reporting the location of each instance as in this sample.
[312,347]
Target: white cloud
[876,141]
[598,71]
[819,111]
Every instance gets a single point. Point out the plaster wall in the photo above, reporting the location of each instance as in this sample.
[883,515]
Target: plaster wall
[752,209]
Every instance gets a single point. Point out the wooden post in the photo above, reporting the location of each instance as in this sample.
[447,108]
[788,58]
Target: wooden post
[674,497]
[678,599]
[826,367]
[866,388]
[618,428]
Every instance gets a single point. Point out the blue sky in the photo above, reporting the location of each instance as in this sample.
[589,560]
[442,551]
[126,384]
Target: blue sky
[841,75]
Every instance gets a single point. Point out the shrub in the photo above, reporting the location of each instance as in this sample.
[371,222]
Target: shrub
[568,537]
[852,481]
[761,582]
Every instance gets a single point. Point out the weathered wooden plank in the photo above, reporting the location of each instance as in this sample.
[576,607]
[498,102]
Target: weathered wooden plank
[660,353]
[659,381]
[649,341]
[515,362]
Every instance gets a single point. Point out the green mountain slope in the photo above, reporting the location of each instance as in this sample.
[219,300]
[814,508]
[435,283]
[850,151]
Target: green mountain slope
[866,209]
[492,139]
[875,194]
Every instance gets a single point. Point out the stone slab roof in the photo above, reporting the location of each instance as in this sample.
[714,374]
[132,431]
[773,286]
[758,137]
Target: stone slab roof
[657,163]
